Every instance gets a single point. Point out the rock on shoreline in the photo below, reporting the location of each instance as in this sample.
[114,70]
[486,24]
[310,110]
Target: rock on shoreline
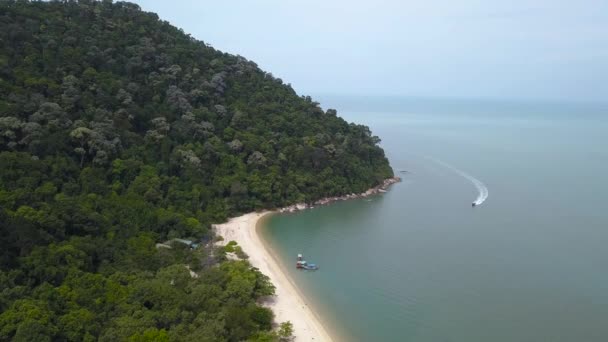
[327,200]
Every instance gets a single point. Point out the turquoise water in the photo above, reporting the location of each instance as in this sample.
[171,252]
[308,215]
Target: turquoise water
[420,264]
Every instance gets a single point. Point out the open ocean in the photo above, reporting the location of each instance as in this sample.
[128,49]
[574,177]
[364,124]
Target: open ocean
[419,263]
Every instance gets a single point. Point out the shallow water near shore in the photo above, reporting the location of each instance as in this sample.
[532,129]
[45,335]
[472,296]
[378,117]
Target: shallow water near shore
[419,263]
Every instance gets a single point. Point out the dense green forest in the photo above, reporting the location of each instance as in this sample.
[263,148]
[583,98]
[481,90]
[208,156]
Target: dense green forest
[119,131]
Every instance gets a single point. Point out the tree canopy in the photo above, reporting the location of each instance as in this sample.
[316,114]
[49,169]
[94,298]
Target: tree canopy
[119,131]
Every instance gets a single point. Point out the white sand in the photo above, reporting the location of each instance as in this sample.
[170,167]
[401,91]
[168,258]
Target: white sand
[287,304]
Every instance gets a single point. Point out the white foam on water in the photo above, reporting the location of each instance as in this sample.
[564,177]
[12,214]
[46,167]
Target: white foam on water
[481,188]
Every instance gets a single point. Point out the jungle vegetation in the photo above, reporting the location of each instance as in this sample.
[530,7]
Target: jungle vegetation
[119,131]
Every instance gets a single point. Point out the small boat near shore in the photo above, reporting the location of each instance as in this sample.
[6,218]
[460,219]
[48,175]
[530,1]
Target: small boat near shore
[303,265]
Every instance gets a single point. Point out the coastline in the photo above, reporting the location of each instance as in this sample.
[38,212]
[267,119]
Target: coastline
[288,304]
[381,188]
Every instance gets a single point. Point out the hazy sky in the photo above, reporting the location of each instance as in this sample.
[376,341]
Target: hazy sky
[547,49]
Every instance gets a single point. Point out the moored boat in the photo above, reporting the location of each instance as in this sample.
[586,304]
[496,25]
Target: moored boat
[303,265]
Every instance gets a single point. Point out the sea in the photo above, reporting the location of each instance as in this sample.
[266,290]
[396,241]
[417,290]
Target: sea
[528,262]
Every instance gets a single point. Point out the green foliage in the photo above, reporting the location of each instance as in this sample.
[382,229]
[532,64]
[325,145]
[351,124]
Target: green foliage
[150,335]
[285,332]
[230,246]
[117,132]
[240,253]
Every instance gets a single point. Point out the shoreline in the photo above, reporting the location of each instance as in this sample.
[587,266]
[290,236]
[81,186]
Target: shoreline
[378,189]
[261,224]
[288,303]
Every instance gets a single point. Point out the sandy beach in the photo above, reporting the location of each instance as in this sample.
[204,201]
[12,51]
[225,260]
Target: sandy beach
[287,304]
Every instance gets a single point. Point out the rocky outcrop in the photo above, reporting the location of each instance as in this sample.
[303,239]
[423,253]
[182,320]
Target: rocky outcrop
[327,200]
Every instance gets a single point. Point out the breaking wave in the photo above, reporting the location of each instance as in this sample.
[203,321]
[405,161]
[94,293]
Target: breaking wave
[481,188]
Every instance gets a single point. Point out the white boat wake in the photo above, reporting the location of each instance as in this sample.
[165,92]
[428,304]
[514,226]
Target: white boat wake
[481,188]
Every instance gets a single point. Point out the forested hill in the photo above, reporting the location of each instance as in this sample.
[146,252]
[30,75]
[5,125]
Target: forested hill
[119,131]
